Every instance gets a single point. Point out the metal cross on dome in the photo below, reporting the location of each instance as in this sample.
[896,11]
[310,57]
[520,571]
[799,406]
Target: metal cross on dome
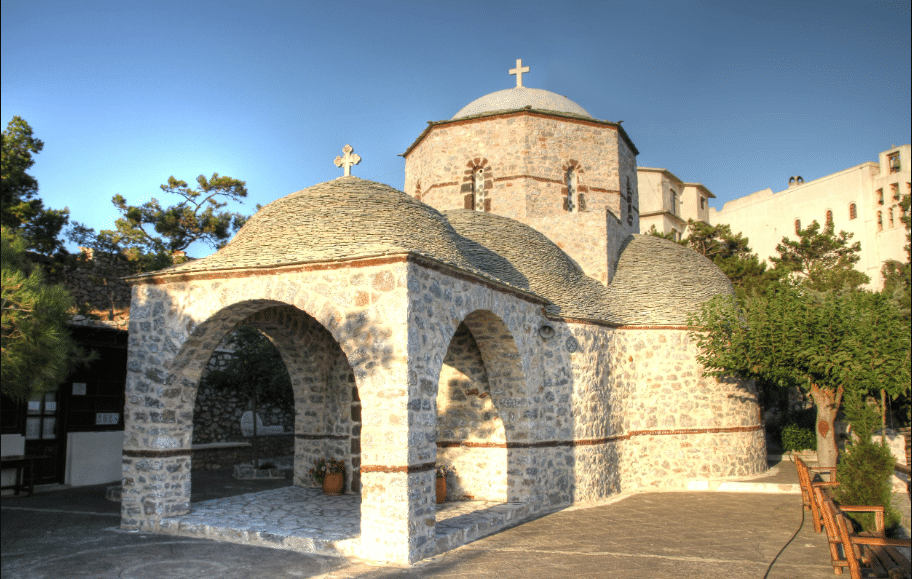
[347,160]
[518,71]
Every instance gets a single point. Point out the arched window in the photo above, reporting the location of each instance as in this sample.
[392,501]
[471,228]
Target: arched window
[853,211]
[571,204]
[478,192]
[797,225]
[880,221]
[829,217]
[629,203]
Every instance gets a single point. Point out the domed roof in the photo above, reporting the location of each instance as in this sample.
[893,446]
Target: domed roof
[524,258]
[340,219]
[518,98]
[660,282]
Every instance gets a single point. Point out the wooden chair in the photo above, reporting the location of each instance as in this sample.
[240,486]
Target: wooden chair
[864,553]
[806,476]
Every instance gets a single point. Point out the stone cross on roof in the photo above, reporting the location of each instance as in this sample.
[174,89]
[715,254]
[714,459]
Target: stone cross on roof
[518,71]
[347,160]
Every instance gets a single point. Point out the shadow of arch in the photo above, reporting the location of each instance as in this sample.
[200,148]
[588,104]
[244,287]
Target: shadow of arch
[482,414]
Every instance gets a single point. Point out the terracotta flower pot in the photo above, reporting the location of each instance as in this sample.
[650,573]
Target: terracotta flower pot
[333,483]
[441,490]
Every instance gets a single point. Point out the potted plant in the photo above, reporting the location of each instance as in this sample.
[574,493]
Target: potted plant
[442,472]
[329,474]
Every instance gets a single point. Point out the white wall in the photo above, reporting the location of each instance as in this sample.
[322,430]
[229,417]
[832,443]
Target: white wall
[93,457]
[11,445]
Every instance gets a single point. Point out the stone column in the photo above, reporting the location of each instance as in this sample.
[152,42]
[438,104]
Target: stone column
[158,422]
[398,507]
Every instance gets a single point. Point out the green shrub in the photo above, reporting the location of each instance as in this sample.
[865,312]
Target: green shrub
[864,479]
[796,437]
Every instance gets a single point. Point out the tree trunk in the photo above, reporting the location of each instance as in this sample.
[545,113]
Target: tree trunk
[827,403]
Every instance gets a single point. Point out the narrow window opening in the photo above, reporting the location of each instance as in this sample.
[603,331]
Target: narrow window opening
[891,217]
[629,203]
[880,197]
[572,206]
[853,211]
[797,225]
[894,162]
[478,192]
[880,221]
[894,189]
[829,217]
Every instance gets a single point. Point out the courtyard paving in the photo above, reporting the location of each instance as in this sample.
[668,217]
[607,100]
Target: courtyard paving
[306,520]
[73,533]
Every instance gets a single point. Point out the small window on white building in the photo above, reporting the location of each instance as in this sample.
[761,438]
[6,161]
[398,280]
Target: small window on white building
[829,217]
[702,202]
[894,189]
[880,197]
[673,205]
[853,211]
[797,225]
[894,162]
[891,217]
[880,221]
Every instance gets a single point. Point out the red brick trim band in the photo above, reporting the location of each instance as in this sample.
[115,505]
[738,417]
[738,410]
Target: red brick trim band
[322,436]
[447,184]
[323,266]
[616,326]
[409,469]
[655,328]
[182,452]
[258,271]
[595,441]
[524,112]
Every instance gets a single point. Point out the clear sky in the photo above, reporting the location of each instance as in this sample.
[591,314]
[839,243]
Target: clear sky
[736,95]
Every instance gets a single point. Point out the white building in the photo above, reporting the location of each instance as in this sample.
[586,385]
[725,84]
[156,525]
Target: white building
[862,200]
[668,203]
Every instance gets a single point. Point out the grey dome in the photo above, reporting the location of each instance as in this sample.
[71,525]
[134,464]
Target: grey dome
[340,219]
[522,257]
[660,282]
[518,98]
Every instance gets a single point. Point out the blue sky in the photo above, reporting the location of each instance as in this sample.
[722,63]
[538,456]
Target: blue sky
[736,95]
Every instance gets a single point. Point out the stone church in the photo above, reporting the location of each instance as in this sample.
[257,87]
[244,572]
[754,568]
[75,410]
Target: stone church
[501,316]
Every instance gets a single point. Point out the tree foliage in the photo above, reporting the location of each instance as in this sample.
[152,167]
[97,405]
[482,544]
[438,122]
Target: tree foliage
[151,237]
[255,369]
[829,344]
[821,260]
[37,349]
[20,208]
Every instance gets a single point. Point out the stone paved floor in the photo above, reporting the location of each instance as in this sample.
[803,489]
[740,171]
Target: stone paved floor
[306,520]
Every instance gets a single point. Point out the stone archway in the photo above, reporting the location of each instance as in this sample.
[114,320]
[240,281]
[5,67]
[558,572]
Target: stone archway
[478,424]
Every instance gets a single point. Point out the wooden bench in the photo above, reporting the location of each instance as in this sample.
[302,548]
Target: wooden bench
[806,476]
[865,554]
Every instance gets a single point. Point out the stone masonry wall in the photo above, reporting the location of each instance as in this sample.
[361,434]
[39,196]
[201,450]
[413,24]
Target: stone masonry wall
[217,414]
[682,424]
[527,155]
[381,355]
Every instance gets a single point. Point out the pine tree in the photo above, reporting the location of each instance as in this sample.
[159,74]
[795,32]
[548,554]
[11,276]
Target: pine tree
[37,350]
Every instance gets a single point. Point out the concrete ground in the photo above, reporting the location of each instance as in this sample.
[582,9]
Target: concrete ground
[73,533]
